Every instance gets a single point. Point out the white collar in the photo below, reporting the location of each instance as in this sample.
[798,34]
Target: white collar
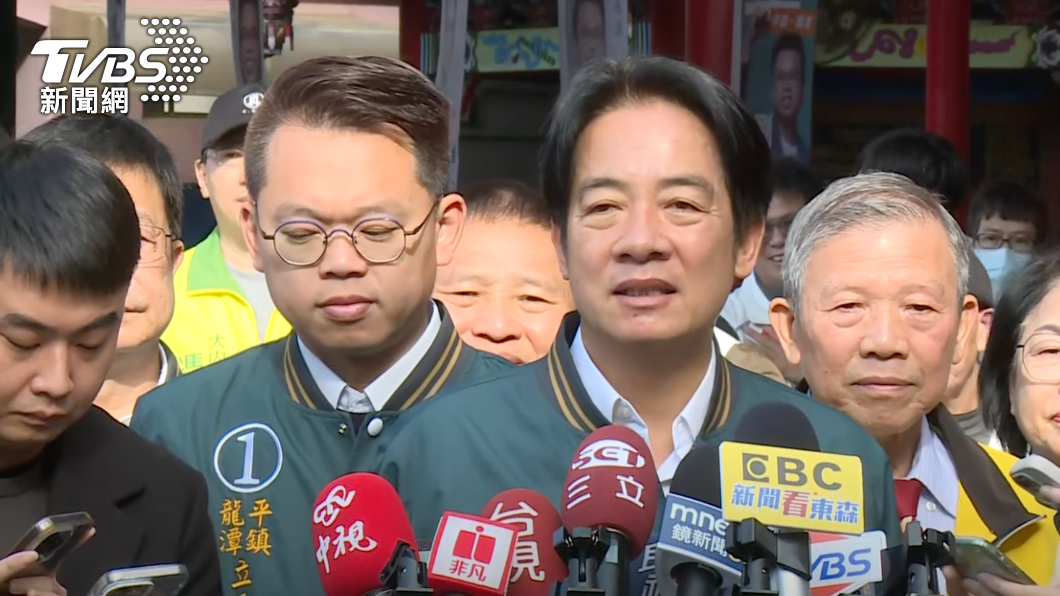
[385,385]
[686,426]
[164,374]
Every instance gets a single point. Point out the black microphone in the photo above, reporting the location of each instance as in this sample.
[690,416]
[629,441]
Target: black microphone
[777,560]
[685,566]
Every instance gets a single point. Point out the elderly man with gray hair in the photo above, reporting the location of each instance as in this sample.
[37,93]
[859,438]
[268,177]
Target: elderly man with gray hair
[876,304]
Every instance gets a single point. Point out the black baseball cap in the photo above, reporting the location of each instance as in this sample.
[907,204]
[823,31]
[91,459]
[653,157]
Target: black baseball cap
[230,111]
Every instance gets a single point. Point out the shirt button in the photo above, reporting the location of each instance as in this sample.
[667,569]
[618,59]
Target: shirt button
[375,426]
[930,506]
[343,428]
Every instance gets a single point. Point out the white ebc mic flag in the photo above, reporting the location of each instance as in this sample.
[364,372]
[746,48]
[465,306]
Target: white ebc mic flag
[449,79]
[590,30]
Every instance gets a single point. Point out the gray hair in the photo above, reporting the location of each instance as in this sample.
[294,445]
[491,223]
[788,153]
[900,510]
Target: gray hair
[866,200]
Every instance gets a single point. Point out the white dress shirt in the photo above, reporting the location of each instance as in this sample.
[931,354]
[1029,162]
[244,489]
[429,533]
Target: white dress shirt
[933,467]
[343,397]
[161,378]
[619,411]
[746,304]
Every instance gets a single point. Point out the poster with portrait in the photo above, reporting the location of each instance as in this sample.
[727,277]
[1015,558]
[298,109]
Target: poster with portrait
[590,30]
[776,79]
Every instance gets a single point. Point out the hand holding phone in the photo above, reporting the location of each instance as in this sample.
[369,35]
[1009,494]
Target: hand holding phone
[1035,473]
[152,580]
[975,557]
[15,569]
[52,539]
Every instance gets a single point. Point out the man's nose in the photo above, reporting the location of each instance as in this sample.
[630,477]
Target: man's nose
[496,323]
[885,334]
[54,377]
[341,258]
[643,238]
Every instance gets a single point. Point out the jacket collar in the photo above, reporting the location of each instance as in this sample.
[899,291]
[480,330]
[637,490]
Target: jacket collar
[90,474]
[561,384]
[444,363]
[987,488]
[172,365]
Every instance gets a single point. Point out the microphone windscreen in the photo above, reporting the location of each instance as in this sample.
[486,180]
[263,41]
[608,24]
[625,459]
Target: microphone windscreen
[612,483]
[358,522]
[698,476]
[471,556]
[536,566]
[777,424]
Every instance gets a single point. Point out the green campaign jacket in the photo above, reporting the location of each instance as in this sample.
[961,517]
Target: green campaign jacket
[522,429]
[267,441]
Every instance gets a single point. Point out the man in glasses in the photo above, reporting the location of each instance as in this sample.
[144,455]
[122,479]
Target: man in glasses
[347,161]
[147,170]
[747,308]
[223,304]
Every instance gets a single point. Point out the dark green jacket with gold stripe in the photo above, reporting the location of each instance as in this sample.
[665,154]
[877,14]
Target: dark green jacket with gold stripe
[267,441]
[521,430]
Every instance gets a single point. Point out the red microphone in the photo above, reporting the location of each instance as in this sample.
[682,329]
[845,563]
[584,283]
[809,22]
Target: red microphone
[609,509]
[363,538]
[471,555]
[536,566]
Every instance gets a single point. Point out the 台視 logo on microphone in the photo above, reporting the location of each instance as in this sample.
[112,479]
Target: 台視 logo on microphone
[174,58]
[608,453]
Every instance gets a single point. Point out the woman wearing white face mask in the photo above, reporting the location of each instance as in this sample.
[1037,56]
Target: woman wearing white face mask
[1004,220]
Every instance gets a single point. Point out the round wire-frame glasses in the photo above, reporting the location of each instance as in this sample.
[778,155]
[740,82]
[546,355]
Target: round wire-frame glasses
[1040,357]
[379,240]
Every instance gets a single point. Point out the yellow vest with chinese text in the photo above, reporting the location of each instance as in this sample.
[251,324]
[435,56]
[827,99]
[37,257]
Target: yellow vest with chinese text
[212,319]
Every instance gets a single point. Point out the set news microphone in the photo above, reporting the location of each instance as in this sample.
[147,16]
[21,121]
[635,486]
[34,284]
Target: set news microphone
[364,541]
[608,511]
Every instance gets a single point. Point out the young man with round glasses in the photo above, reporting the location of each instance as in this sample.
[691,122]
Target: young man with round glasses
[347,161]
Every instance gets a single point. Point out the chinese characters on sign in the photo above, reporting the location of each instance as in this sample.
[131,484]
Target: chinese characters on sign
[700,539]
[240,536]
[84,100]
[793,503]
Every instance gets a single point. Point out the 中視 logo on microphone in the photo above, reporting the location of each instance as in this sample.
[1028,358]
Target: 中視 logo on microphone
[174,59]
[608,453]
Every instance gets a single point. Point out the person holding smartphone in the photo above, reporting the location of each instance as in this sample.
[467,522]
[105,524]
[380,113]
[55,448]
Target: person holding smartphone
[13,565]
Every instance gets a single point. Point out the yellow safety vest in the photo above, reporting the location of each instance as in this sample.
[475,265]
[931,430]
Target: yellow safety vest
[212,319]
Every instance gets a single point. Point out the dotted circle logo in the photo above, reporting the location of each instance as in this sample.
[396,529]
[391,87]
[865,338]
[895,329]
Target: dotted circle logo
[185,58]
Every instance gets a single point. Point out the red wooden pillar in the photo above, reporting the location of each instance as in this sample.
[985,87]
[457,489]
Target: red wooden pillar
[668,28]
[948,74]
[412,23]
[708,36]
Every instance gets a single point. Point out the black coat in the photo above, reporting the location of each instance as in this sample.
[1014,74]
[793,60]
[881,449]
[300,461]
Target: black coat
[149,507]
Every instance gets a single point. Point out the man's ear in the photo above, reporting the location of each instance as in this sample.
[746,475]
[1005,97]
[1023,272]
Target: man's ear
[969,321]
[200,178]
[452,211]
[248,220]
[747,250]
[782,318]
[986,319]
[561,254]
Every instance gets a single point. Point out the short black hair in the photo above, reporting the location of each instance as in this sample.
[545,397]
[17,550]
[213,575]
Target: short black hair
[120,142]
[792,177]
[498,200]
[69,223]
[606,85]
[1024,291]
[789,42]
[1008,200]
[927,159]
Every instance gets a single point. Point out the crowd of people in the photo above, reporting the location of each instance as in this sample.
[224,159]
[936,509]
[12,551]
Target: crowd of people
[350,312]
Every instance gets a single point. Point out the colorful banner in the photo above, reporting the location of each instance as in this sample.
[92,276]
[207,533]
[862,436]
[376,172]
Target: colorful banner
[889,45]
[450,78]
[589,30]
[776,80]
[515,50]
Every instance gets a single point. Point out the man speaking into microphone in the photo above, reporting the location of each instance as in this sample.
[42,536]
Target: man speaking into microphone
[876,304]
[651,229]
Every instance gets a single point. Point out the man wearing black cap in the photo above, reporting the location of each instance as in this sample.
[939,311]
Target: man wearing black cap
[962,391]
[222,303]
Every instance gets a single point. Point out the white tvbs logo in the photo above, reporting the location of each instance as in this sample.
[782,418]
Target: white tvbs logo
[174,58]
